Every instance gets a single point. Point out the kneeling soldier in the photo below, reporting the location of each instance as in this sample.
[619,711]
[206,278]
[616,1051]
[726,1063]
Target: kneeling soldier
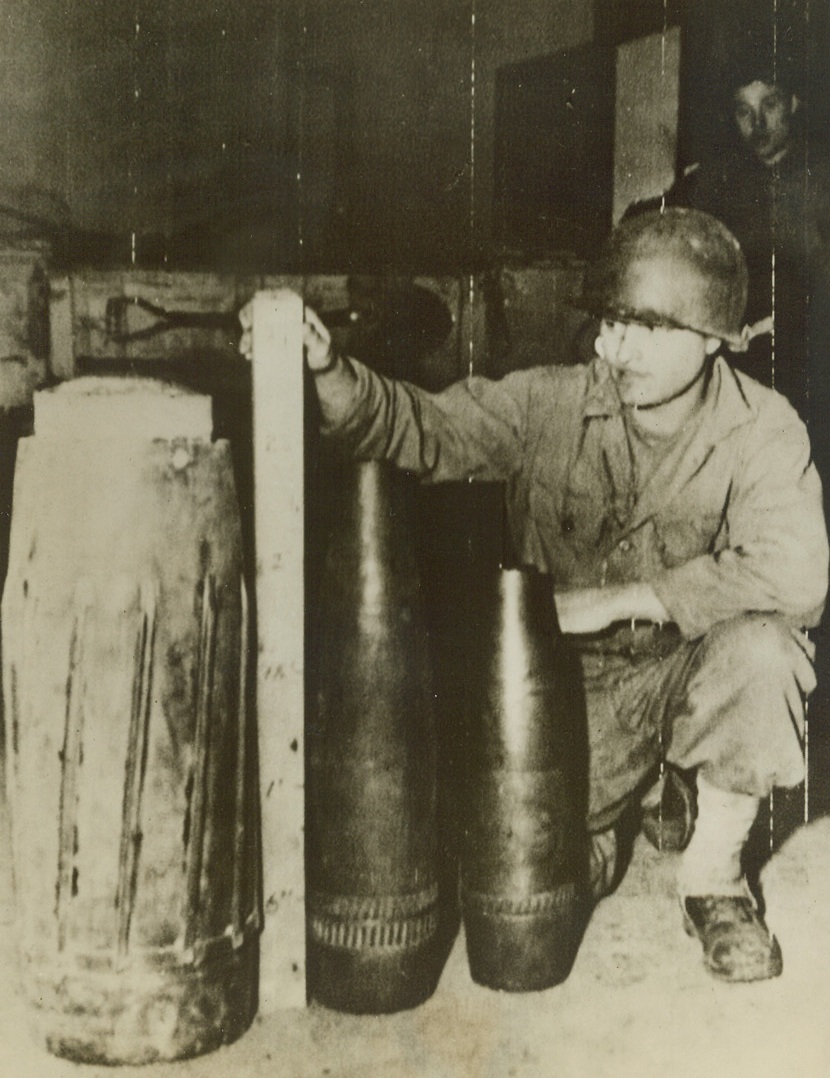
[674,503]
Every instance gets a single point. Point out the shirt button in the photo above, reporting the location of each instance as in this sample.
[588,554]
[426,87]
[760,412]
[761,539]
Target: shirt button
[624,545]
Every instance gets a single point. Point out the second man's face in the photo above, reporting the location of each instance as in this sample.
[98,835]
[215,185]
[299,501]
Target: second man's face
[763,114]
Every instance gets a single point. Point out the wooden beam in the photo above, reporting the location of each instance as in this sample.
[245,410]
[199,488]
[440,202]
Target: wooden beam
[279,538]
[61,344]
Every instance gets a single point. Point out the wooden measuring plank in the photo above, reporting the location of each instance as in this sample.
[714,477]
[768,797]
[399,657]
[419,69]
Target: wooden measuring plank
[279,538]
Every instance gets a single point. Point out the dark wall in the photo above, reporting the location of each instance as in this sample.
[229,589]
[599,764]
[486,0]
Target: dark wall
[126,116]
[186,125]
[420,94]
[311,134]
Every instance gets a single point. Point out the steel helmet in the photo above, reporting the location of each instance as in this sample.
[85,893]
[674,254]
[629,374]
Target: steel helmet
[672,267]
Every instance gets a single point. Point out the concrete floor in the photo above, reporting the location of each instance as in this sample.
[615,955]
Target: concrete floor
[637,1004]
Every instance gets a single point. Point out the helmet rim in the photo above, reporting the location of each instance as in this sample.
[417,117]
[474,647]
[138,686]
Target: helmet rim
[675,267]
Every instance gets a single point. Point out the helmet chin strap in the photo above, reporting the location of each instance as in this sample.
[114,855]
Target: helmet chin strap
[674,396]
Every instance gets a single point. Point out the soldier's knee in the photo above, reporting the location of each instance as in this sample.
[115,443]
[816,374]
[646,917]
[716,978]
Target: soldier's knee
[755,646]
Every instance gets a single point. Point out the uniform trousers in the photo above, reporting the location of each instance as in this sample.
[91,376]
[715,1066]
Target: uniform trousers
[730,704]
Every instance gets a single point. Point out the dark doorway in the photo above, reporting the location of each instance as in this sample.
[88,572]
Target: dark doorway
[554,147]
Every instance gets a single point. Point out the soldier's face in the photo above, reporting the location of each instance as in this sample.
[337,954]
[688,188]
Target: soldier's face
[652,364]
[763,114]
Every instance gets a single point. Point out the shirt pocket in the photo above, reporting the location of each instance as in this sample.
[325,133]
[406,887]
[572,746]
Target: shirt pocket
[584,519]
[588,505]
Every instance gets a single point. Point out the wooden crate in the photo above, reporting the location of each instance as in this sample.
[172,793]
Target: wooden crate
[24,322]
